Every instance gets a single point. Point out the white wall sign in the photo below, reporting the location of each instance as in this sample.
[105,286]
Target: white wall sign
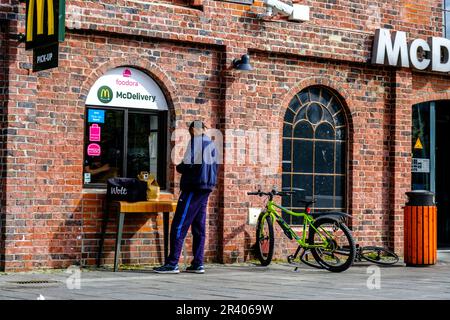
[127,87]
[394,50]
[420,165]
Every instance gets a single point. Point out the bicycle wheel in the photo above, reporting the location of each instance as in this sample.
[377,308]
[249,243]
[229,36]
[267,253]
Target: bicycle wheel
[264,240]
[379,255]
[340,252]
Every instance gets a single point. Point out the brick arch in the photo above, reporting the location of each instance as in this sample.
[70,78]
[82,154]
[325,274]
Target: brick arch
[432,96]
[167,85]
[328,83]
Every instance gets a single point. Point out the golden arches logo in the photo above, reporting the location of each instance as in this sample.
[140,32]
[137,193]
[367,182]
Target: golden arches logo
[39,6]
[105,94]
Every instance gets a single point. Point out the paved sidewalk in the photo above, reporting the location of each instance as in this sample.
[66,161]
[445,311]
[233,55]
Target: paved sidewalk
[229,282]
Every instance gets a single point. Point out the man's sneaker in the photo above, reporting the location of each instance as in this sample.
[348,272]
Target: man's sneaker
[167,268]
[196,269]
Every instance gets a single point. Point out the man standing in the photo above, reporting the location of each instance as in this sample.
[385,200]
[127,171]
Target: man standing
[198,178]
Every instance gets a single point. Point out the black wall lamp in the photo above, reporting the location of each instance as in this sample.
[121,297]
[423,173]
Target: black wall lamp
[243,64]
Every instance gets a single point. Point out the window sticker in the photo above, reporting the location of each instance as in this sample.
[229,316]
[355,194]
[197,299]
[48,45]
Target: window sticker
[97,116]
[418,145]
[94,132]
[94,150]
[420,165]
[87,178]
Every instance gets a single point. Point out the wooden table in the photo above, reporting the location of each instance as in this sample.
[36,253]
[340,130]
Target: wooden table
[165,205]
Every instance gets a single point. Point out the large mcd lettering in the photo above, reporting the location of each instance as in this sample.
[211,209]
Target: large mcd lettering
[394,50]
[42,23]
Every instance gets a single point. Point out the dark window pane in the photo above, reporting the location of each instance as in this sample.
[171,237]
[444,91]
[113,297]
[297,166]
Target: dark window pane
[340,157]
[297,197]
[421,130]
[286,180]
[325,97]
[286,202]
[315,113]
[327,116]
[142,151]
[340,192]
[323,192]
[314,94]
[324,157]
[287,130]
[303,181]
[340,119]
[153,144]
[294,104]
[287,160]
[335,106]
[286,217]
[301,115]
[303,130]
[302,155]
[340,133]
[304,96]
[287,149]
[289,116]
[104,145]
[296,220]
[325,132]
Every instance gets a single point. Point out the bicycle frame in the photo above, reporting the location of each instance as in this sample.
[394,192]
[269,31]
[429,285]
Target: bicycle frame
[307,221]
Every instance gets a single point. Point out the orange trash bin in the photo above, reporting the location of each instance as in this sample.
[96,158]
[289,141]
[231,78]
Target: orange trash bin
[420,229]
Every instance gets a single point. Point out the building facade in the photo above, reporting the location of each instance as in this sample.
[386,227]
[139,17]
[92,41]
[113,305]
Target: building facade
[314,113]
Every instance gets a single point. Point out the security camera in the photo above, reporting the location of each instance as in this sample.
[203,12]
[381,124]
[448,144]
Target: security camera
[280,7]
[296,12]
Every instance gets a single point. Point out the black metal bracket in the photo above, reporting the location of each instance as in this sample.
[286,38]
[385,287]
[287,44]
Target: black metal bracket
[19,37]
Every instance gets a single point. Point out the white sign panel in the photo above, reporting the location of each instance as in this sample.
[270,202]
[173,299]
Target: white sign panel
[420,165]
[129,88]
[393,49]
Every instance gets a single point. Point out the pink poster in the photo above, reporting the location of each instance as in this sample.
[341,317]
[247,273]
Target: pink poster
[94,132]
[94,150]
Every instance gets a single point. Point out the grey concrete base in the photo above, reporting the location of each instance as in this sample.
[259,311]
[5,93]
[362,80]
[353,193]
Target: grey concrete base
[238,281]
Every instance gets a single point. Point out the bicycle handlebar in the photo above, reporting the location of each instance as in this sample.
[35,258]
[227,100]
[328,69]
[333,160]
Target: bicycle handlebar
[273,193]
[283,193]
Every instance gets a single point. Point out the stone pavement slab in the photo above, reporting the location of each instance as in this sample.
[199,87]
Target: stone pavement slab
[235,282]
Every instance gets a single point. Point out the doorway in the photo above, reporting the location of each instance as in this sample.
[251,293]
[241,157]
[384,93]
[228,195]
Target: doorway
[431,159]
[443,172]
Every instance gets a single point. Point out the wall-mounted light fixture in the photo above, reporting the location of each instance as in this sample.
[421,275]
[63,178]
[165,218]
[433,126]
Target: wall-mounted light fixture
[243,64]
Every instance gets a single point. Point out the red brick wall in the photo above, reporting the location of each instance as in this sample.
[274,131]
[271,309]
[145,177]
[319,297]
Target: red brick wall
[64,223]
[50,221]
[3,132]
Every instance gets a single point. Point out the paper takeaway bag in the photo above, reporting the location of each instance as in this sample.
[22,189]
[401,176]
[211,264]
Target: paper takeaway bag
[153,189]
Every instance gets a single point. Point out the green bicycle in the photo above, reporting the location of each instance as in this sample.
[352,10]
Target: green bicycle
[329,239]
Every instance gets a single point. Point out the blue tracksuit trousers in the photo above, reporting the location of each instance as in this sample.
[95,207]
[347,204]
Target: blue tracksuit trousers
[191,210]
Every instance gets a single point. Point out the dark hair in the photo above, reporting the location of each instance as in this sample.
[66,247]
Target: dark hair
[197,124]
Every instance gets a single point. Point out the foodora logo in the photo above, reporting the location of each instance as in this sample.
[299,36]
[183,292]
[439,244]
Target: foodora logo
[105,94]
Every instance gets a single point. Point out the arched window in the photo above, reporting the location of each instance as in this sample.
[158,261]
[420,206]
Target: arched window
[125,128]
[314,151]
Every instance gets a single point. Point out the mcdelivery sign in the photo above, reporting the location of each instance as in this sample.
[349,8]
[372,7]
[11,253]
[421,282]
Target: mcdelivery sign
[129,88]
[393,49]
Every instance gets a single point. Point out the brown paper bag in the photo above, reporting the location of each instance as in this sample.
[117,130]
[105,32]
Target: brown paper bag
[153,189]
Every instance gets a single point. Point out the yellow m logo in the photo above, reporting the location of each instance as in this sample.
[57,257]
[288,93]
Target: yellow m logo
[105,94]
[40,18]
